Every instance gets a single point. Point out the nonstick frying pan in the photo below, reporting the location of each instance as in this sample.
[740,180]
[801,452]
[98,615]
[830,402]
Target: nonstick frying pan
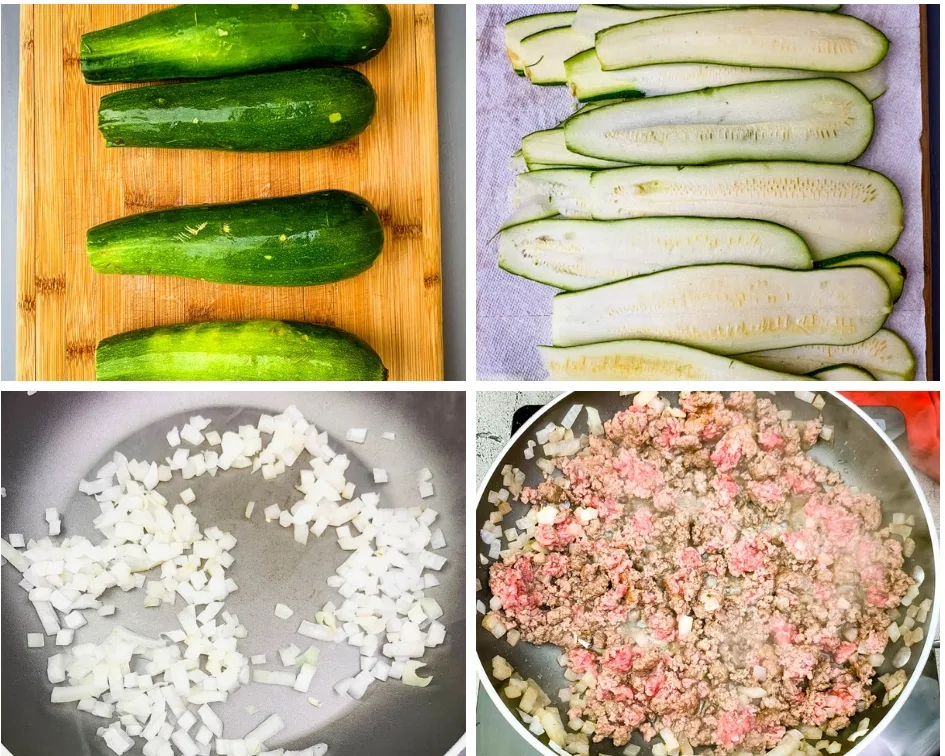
[864,457]
[53,439]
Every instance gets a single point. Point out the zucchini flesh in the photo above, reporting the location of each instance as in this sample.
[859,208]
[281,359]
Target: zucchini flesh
[727,309]
[817,120]
[303,240]
[271,112]
[581,254]
[825,8]
[548,148]
[253,350]
[517,30]
[589,82]
[567,191]
[648,361]
[843,373]
[885,354]
[544,54]
[207,41]
[891,270]
[591,19]
[836,209]
[764,37]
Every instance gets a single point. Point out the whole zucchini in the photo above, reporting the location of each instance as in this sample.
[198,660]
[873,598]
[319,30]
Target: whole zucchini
[253,350]
[271,112]
[206,41]
[303,240]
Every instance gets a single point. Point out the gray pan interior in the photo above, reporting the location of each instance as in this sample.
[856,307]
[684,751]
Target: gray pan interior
[52,439]
[859,453]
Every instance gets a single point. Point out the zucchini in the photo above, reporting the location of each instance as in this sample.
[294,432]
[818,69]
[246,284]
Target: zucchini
[648,361]
[764,37]
[817,120]
[207,41]
[824,8]
[548,148]
[589,82]
[581,254]
[566,191]
[271,112]
[529,213]
[885,355]
[591,19]
[892,271]
[727,309]
[836,209]
[843,373]
[544,54]
[303,240]
[517,30]
[253,350]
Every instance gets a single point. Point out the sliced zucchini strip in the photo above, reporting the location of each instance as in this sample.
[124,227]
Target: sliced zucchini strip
[517,30]
[816,120]
[764,37]
[648,361]
[548,147]
[581,254]
[885,354]
[838,209]
[892,271]
[728,309]
[544,54]
[589,82]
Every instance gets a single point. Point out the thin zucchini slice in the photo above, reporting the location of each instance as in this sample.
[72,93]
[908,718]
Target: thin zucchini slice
[568,191]
[765,37]
[591,19]
[528,213]
[823,8]
[885,354]
[843,373]
[517,30]
[548,147]
[589,82]
[817,120]
[581,254]
[838,209]
[544,54]
[727,309]
[892,271]
[648,361]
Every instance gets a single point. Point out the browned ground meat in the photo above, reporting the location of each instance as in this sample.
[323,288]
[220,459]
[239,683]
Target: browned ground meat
[718,516]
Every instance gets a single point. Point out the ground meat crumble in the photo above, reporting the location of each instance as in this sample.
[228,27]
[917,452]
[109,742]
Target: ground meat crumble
[716,515]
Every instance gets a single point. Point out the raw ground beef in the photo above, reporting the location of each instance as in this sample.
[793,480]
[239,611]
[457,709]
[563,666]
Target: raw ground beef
[718,515]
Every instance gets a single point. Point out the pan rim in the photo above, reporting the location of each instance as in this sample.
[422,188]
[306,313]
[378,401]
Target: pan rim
[860,746]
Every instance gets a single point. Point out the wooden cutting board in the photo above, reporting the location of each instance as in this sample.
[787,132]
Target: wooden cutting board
[69,181]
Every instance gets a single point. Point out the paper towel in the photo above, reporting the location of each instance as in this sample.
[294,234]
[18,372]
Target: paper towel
[513,314]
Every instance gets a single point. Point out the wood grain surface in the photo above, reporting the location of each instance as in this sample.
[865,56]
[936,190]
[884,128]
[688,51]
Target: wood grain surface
[68,181]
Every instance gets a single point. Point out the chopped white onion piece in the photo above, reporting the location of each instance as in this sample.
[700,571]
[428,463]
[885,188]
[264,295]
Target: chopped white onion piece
[356,435]
[35,640]
[269,728]
[380,475]
[283,612]
[410,676]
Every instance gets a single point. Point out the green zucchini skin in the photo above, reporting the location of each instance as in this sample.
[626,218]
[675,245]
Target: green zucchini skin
[253,350]
[207,41]
[270,112]
[304,240]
